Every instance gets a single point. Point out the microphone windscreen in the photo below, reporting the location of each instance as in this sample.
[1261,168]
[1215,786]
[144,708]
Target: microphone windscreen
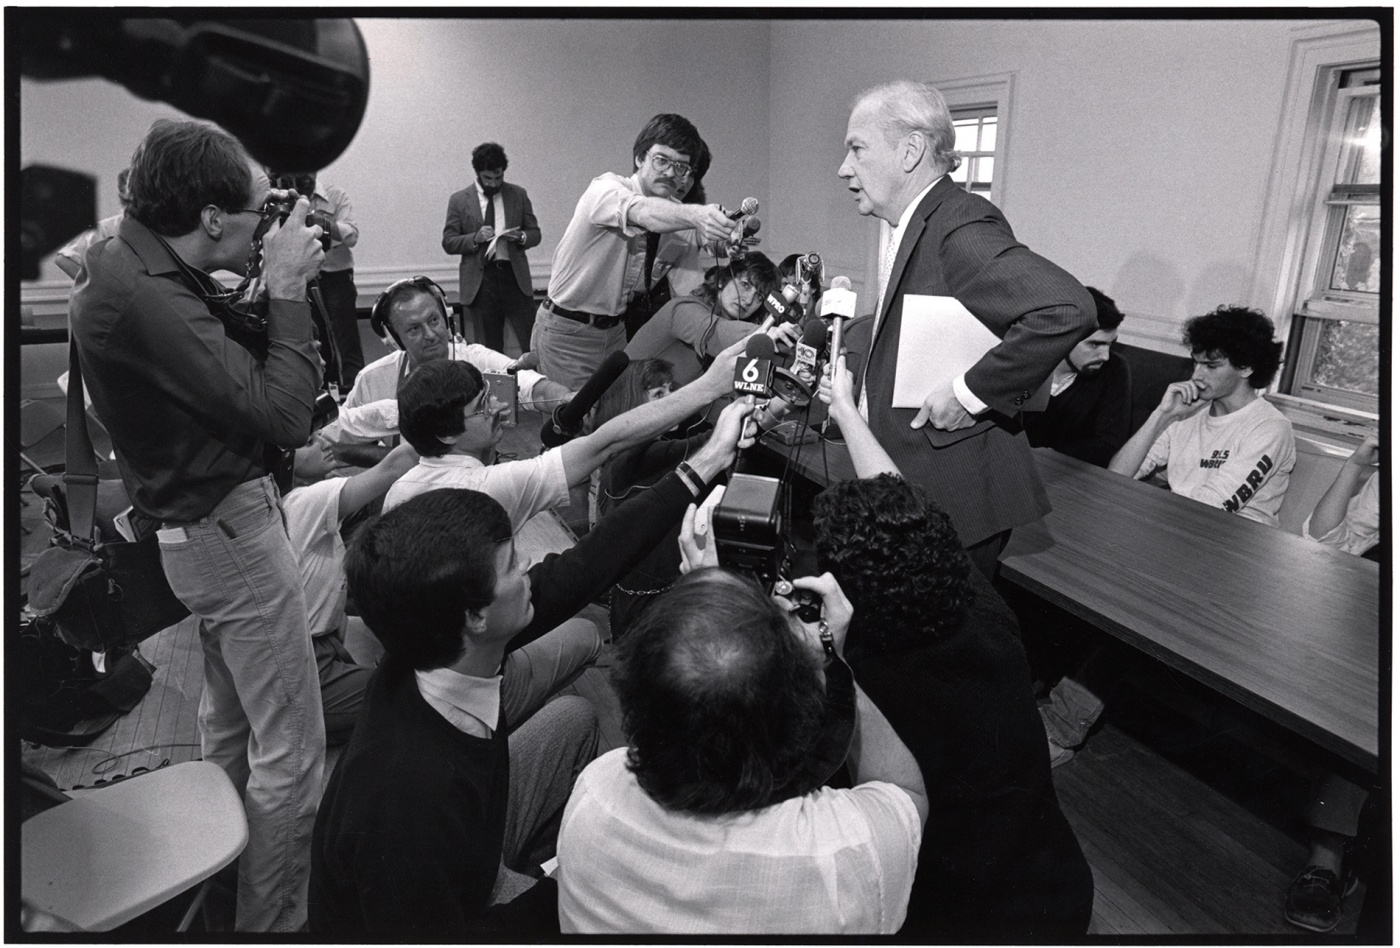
[841,283]
[814,334]
[749,205]
[751,226]
[760,346]
[839,301]
[571,415]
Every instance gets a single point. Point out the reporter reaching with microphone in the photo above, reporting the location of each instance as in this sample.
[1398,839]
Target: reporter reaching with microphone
[193,414]
[690,330]
[625,235]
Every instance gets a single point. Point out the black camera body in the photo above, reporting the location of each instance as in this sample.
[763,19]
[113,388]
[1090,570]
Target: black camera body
[751,537]
[748,527]
[277,209]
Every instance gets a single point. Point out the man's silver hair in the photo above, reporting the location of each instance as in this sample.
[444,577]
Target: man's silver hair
[907,106]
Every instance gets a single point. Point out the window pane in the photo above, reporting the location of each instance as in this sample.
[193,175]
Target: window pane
[959,174]
[984,170]
[965,131]
[1358,265]
[989,135]
[1361,153]
[1348,357]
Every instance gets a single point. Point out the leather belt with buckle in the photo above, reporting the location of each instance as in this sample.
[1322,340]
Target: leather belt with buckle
[591,319]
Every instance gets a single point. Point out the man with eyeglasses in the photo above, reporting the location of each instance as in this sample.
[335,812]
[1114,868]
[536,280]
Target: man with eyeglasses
[192,414]
[625,235]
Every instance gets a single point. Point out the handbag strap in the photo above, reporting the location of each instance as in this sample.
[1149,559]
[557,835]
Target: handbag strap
[80,469]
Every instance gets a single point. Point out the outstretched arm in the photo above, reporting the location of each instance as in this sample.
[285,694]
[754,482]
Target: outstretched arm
[583,456]
[868,456]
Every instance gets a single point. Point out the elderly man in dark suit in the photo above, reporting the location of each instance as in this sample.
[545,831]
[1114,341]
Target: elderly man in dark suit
[495,277]
[964,445]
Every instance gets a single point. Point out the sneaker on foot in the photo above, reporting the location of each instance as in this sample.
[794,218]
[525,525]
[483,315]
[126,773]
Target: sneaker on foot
[1314,899]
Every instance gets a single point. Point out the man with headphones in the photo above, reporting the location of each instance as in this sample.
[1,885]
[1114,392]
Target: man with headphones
[412,318]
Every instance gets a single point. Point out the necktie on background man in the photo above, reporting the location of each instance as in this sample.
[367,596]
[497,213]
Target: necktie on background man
[499,251]
[887,255]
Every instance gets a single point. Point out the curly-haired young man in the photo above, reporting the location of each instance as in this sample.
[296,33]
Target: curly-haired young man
[1238,454]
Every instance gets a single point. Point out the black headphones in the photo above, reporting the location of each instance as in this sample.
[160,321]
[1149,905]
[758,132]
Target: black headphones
[379,320]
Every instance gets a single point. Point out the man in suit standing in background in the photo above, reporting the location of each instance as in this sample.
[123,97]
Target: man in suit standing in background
[964,445]
[494,282]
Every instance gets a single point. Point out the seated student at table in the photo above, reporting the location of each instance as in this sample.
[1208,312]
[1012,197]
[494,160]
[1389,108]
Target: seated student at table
[314,513]
[1237,453]
[714,820]
[1089,415]
[434,819]
[940,654]
[689,331]
[1348,519]
[446,412]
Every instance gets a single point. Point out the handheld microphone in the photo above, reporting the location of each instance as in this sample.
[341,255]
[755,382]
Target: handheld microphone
[808,351]
[777,307]
[838,305]
[753,375]
[747,208]
[567,421]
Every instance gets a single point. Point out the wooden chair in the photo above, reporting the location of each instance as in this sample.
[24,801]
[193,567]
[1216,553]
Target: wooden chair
[113,853]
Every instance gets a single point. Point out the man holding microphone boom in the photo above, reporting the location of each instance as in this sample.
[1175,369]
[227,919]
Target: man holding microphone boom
[195,418]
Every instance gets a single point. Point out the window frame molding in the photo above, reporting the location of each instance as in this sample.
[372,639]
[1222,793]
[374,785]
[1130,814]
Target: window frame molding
[1300,148]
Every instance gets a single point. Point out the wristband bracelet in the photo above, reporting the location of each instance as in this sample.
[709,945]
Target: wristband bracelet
[692,480]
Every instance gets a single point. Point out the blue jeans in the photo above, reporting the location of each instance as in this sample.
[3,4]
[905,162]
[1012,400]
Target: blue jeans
[260,714]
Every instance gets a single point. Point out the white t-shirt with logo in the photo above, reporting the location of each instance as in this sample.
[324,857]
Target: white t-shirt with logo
[1238,462]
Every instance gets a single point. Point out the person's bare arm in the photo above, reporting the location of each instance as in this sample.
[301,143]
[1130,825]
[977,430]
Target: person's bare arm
[1332,508]
[375,483]
[867,454]
[583,456]
[1180,400]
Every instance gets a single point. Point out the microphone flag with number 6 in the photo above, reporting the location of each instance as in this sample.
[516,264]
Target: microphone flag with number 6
[753,375]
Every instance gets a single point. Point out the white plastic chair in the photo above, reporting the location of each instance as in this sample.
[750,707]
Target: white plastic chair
[116,852]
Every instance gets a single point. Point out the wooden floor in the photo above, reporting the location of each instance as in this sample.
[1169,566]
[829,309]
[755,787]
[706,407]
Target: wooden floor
[1171,852]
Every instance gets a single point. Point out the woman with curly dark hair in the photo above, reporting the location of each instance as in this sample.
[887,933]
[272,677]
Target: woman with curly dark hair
[940,653]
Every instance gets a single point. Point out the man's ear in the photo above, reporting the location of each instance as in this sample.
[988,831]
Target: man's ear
[913,150]
[212,220]
[474,623]
[447,439]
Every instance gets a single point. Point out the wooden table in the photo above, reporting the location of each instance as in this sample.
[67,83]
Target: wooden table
[1283,625]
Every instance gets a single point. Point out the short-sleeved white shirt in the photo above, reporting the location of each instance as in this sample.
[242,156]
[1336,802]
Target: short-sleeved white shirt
[832,862]
[313,524]
[1239,462]
[523,488]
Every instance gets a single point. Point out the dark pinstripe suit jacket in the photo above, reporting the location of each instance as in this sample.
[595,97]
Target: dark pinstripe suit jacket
[958,244]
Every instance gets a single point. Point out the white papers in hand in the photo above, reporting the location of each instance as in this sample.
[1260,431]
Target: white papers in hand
[939,339]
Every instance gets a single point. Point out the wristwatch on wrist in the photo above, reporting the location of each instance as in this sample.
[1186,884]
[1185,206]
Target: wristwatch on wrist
[828,643]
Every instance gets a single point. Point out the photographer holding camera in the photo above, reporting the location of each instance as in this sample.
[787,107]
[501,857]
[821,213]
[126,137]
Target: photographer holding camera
[197,418]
